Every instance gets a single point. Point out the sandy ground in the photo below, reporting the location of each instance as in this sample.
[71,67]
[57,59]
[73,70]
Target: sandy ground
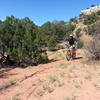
[58,80]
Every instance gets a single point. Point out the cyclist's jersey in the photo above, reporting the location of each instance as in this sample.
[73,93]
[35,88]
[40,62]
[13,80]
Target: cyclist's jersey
[72,41]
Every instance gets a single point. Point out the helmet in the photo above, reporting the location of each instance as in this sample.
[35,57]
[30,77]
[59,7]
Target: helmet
[71,35]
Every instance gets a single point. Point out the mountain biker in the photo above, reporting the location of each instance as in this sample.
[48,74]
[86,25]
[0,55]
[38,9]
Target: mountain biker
[72,42]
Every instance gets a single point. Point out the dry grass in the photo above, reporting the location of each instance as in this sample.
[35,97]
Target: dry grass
[7,84]
[48,88]
[15,97]
[52,78]
[97,85]
[60,83]
[39,92]
[35,82]
[86,39]
[88,76]
[62,74]
[70,98]
[64,65]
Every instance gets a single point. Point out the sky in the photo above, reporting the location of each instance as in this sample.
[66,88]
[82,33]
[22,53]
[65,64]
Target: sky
[41,11]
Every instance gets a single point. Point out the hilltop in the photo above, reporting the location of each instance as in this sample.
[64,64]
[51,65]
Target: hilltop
[92,9]
[86,21]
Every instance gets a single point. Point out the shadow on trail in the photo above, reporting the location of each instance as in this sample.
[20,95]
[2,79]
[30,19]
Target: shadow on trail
[52,60]
[4,72]
[77,58]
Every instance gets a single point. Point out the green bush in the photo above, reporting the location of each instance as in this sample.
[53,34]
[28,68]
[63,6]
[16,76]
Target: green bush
[41,59]
[74,20]
[89,29]
[21,40]
[93,29]
[52,43]
[80,44]
[60,47]
[98,12]
[90,19]
[78,32]
[44,59]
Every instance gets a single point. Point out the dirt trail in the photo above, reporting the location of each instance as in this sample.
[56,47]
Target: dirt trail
[57,80]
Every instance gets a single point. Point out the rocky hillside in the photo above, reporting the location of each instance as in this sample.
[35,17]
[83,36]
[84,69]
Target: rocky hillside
[90,10]
[87,20]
